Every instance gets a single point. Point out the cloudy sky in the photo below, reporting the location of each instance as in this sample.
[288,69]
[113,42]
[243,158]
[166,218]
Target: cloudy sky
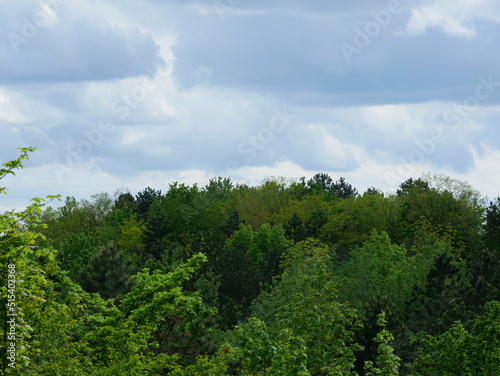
[137,93]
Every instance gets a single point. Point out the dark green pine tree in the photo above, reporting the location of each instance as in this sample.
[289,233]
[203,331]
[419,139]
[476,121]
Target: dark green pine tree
[492,226]
[108,272]
[314,223]
[343,189]
[125,199]
[144,199]
[294,229]
[412,186]
[320,183]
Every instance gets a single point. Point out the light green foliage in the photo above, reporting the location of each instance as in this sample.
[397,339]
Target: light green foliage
[62,330]
[301,269]
[203,366]
[446,355]
[132,236]
[325,325]
[459,352]
[303,304]
[157,293]
[380,275]
[266,353]
[8,168]
[486,331]
[19,239]
[263,245]
[299,263]
[96,337]
[55,348]
[387,362]
[374,275]
[177,321]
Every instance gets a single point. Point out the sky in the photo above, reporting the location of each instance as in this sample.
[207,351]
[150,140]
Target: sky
[126,94]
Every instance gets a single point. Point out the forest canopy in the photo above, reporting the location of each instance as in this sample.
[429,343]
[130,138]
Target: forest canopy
[290,277]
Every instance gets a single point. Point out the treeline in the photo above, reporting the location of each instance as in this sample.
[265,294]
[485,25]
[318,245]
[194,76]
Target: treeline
[307,277]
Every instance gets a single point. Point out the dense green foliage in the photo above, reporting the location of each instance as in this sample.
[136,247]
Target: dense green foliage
[287,278]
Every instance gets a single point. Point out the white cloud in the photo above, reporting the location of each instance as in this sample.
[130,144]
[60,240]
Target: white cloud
[133,136]
[454,17]
[70,41]
[9,112]
[255,175]
[358,120]
[485,177]
[427,17]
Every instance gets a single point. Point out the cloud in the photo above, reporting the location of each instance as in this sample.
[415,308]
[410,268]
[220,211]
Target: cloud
[70,41]
[9,111]
[137,93]
[455,18]
[426,17]
[297,57]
